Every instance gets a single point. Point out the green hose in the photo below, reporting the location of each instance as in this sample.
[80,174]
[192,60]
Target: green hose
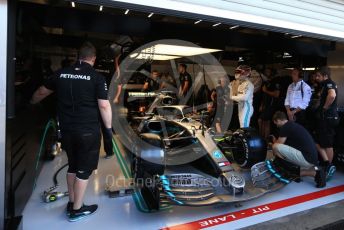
[51,124]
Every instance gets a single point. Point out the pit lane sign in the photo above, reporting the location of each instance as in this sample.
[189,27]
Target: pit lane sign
[265,208]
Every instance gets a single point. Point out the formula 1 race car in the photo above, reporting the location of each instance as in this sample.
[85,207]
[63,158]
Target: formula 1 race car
[184,163]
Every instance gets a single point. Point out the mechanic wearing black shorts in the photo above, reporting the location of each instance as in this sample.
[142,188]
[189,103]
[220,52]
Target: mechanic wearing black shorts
[81,94]
[327,119]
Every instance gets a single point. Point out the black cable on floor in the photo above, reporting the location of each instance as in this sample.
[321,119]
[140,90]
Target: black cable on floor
[56,174]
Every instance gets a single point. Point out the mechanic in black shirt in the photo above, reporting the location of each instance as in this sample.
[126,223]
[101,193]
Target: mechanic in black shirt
[313,104]
[269,91]
[152,83]
[81,94]
[107,70]
[222,102]
[327,118]
[280,85]
[211,110]
[185,82]
[296,146]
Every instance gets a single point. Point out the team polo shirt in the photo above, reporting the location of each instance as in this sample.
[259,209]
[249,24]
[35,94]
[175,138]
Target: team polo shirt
[78,88]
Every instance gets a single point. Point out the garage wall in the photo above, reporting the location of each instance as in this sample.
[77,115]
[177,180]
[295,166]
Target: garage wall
[3,64]
[317,18]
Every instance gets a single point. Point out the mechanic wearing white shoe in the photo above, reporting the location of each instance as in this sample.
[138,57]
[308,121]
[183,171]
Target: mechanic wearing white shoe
[241,91]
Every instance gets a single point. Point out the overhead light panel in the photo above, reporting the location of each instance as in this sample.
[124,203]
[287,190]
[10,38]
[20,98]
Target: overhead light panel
[155,57]
[73,4]
[196,22]
[177,50]
[126,12]
[150,15]
[217,24]
[309,68]
[233,27]
[286,55]
[100,8]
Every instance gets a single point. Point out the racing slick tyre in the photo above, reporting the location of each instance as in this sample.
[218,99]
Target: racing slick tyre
[149,161]
[249,147]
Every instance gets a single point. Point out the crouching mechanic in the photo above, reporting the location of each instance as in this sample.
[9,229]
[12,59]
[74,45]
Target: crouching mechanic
[295,145]
[241,91]
[81,93]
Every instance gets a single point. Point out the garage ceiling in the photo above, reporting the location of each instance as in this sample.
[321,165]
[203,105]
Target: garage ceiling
[316,18]
[57,23]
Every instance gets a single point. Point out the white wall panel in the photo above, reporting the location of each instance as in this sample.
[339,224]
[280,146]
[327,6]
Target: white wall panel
[3,74]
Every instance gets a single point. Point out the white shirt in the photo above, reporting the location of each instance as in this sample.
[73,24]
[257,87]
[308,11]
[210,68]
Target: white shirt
[297,97]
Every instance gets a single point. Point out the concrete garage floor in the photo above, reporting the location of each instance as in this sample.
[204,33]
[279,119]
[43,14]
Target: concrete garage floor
[296,206]
[330,216]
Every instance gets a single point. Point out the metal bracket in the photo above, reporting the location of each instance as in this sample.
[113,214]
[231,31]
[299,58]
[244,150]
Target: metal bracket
[121,192]
[122,188]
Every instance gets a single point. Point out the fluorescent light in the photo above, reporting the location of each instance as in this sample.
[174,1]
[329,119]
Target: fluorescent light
[150,15]
[306,69]
[101,8]
[286,55]
[216,24]
[126,12]
[176,50]
[198,21]
[150,56]
[296,36]
[233,27]
[73,4]
[309,68]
